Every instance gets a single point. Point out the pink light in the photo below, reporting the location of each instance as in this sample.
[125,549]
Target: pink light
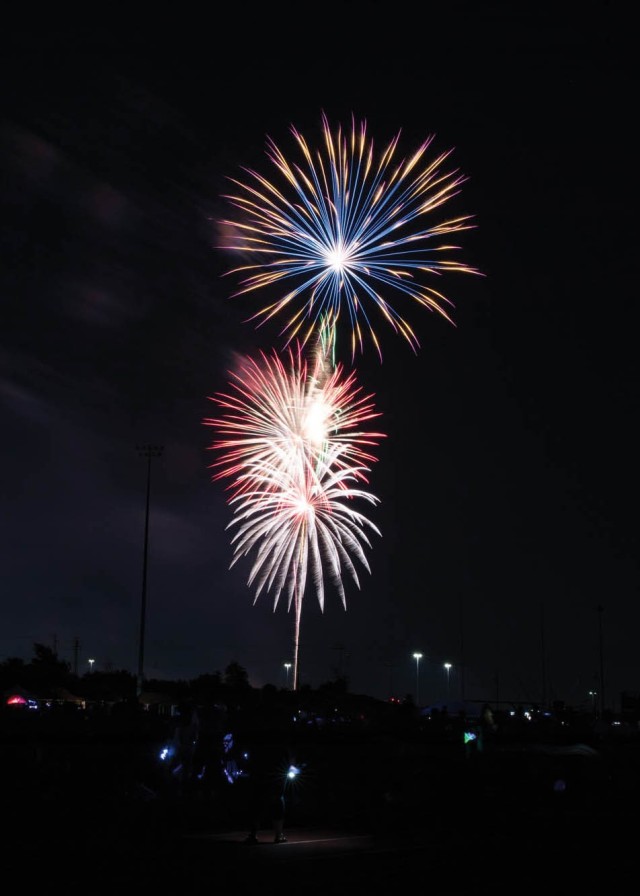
[16,700]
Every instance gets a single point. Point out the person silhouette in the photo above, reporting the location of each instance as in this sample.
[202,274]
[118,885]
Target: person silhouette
[268,760]
[185,740]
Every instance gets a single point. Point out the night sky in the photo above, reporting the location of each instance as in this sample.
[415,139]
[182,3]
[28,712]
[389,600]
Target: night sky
[508,480]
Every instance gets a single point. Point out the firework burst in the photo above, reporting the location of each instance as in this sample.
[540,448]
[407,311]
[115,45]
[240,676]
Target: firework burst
[346,232]
[298,522]
[291,416]
[292,445]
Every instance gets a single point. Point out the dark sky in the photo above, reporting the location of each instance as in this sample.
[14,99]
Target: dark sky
[508,478]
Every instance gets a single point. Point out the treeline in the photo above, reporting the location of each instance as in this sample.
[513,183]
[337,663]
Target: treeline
[47,677]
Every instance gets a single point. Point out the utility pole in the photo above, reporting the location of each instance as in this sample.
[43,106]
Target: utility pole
[148,452]
[338,669]
[543,658]
[462,668]
[390,666]
[76,651]
[602,701]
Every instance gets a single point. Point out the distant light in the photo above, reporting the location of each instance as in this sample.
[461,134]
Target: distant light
[16,700]
[166,753]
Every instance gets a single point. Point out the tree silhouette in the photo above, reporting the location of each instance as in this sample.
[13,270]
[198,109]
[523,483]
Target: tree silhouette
[235,677]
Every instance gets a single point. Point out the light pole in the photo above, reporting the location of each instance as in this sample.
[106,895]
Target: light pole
[447,668]
[417,657]
[91,662]
[287,666]
[148,451]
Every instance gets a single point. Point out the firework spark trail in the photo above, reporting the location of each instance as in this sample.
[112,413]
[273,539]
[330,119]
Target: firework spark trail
[344,230]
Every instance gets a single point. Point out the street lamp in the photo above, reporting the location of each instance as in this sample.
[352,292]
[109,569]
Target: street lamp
[417,657]
[91,662]
[147,451]
[287,666]
[447,667]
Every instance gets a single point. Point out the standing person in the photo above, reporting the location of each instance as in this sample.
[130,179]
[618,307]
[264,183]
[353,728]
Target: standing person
[185,740]
[208,757]
[488,727]
[267,764]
